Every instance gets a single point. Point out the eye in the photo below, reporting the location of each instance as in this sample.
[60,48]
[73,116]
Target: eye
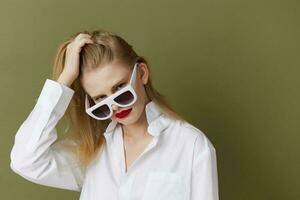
[119,86]
[100,98]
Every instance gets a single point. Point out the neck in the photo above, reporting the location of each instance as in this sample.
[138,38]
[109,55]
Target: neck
[138,130]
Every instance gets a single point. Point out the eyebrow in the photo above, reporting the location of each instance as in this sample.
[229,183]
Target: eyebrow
[112,89]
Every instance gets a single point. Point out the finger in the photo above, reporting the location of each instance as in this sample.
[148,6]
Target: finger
[85,40]
[90,40]
[83,35]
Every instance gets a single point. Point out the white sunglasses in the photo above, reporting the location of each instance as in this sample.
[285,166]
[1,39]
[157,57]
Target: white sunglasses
[122,98]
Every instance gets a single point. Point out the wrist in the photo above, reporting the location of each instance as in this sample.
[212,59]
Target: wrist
[65,80]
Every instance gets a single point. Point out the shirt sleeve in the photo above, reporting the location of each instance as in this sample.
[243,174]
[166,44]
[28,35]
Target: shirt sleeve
[204,184]
[34,155]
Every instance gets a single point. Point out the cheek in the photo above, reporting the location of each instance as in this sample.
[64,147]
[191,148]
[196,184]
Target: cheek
[140,91]
[136,107]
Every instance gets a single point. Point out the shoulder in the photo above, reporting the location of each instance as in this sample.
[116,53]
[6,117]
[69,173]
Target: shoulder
[191,135]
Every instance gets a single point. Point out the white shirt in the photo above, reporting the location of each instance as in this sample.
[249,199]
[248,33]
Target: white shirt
[178,164]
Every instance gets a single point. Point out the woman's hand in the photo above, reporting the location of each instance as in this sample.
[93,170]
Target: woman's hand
[71,68]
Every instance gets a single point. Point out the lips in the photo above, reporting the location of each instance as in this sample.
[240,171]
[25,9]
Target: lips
[123,113]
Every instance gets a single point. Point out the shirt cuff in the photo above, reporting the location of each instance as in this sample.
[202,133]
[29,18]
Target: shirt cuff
[55,96]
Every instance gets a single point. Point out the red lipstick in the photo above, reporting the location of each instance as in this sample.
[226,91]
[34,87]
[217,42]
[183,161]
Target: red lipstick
[123,113]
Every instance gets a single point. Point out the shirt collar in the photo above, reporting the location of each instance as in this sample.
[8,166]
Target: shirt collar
[157,121]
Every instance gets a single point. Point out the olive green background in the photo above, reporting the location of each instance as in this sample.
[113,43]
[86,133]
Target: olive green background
[231,67]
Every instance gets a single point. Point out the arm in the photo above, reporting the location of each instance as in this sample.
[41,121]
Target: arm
[204,173]
[34,155]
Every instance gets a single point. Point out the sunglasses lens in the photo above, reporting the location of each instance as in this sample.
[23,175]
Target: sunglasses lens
[102,111]
[124,98]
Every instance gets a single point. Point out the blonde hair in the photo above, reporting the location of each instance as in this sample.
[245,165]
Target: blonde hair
[87,131]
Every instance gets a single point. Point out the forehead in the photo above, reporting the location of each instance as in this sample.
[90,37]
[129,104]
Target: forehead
[101,79]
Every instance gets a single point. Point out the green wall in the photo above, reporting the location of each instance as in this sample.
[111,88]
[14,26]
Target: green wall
[231,67]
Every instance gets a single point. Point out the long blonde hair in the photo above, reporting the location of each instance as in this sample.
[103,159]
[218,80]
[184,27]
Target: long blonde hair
[86,131]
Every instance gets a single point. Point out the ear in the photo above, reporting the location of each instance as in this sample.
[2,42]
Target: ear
[143,72]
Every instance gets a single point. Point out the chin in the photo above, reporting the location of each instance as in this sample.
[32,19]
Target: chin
[126,121]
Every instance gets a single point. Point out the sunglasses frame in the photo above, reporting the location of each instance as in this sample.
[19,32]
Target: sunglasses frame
[110,99]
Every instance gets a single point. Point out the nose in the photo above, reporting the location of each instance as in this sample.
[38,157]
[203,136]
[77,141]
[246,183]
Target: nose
[114,107]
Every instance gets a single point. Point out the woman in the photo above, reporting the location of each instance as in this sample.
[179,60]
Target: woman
[125,140]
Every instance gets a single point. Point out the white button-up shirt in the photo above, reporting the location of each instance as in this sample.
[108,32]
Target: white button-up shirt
[178,164]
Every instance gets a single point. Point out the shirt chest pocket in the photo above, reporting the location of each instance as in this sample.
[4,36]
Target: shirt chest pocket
[161,185]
